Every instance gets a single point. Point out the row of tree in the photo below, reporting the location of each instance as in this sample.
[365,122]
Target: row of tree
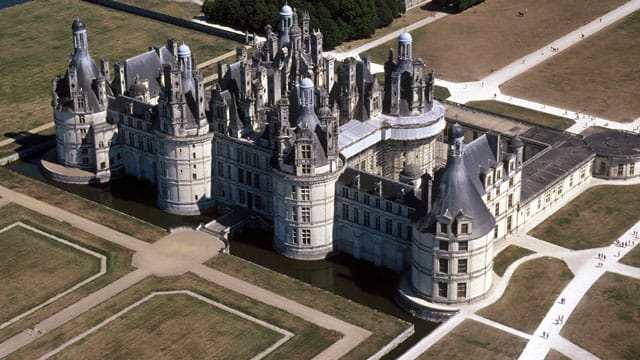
[339,20]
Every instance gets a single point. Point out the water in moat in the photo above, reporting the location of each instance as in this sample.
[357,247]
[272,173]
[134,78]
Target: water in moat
[343,275]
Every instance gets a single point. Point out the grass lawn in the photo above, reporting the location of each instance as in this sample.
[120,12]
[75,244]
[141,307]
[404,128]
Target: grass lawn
[532,290]
[308,339]
[383,326]
[34,268]
[605,322]
[59,263]
[555,355]
[594,219]
[158,327]
[466,46]
[181,9]
[507,256]
[471,337]
[80,206]
[632,258]
[440,92]
[598,76]
[33,55]
[528,115]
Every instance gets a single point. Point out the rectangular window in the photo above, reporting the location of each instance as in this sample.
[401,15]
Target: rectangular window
[306,214]
[345,192]
[497,190]
[140,143]
[509,224]
[632,168]
[241,196]
[294,193]
[248,177]
[443,245]
[305,193]
[240,176]
[149,145]
[378,203]
[463,245]
[443,288]
[378,222]
[306,169]
[345,211]
[366,199]
[195,176]
[306,236]
[305,150]
[356,215]
[497,212]
[389,206]
[256,181]
[294,236]
[464,229]
[620,169]
[462,266]
[495,232]
[443,265]
[510,182]
[409,231]
[399,230]
[294,214]
[489,196]
[367,218]
[443,228]
[510,201]
[461,290]
[388,226]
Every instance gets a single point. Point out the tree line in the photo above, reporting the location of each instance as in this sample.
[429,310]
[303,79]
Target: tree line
[339,20]
[456,5]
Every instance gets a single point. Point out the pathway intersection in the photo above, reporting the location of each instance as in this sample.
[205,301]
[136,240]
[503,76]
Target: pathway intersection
[178,253]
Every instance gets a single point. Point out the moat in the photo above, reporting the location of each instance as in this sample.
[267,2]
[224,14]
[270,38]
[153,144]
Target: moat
[343,275]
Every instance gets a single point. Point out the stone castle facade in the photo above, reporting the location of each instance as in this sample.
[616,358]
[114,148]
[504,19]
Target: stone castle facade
[332,159]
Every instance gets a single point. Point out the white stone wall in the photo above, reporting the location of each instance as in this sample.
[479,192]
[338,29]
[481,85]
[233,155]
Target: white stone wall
[184,174]
[71,130]
[557,195]
[425,267]
[242,175]
[297,235]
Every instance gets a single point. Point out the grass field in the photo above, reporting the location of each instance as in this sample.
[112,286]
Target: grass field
[632,258]
[181,9]
[472,339]
[532,290]
[80,206]
[605,322]
[507,256]
[594,219]
[555,355]
[34,268]
[175,327]
[598,76]
[33,55]
[466,46]
[383,327]
[118,264]
[528,115]
[308,339]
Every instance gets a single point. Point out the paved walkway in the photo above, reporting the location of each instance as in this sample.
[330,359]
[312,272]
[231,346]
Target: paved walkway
[172,255]
[488,88]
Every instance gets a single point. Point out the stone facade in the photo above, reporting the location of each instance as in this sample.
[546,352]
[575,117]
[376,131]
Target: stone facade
[330,158]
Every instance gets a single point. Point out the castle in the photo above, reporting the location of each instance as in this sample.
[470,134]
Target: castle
[330,158]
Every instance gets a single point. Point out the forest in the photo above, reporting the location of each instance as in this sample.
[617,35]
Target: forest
[339,20]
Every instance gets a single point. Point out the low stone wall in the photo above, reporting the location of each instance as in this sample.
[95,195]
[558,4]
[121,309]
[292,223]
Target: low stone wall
[30,151]
[395,342]
[171,20]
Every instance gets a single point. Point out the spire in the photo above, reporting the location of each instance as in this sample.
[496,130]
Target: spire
[79,30]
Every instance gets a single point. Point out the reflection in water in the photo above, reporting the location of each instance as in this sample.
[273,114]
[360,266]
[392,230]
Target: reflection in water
[343,275]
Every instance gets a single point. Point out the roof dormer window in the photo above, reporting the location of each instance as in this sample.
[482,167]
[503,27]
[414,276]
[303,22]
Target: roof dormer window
[443,228]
